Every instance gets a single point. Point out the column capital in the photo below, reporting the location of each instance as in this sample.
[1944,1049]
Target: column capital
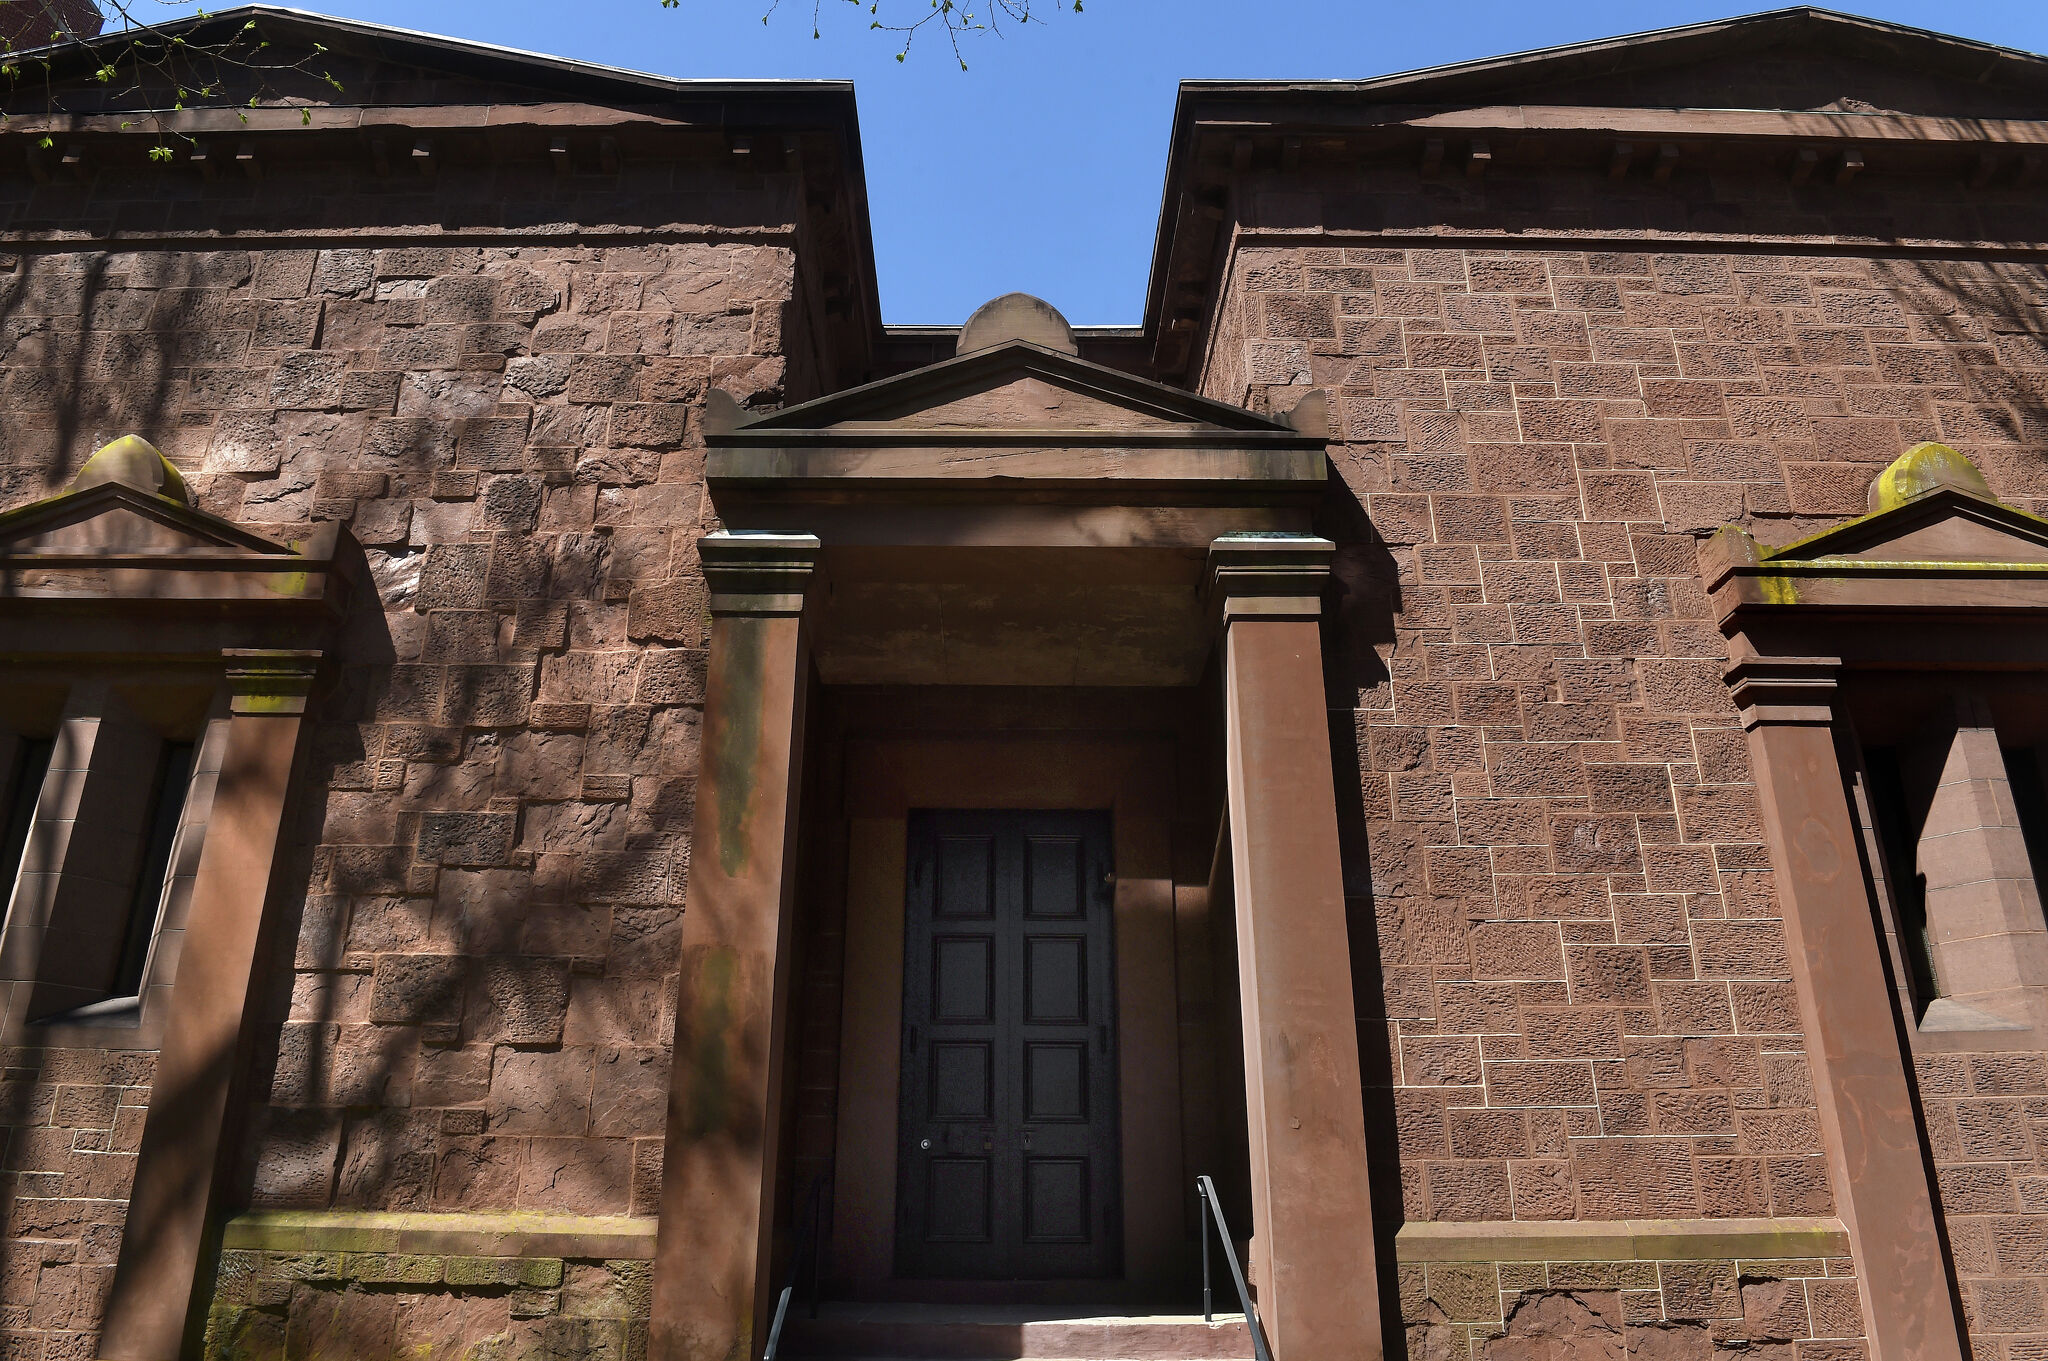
[1267,576]
[758,574]
[273,682]
[1785,690]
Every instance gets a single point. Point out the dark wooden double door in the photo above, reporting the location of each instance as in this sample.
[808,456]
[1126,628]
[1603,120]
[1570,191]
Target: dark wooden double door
[1008,1125]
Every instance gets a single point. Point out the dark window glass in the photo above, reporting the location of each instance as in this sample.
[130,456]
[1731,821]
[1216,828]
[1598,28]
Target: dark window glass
[166,807]
[23,789]
[1899,832]
[2030,799]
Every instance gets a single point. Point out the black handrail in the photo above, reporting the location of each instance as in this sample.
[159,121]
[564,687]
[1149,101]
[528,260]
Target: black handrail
[1214,1212]
[806,1241]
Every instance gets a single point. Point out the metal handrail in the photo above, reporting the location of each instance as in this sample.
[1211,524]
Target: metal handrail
[806,1239]
[1214,1212]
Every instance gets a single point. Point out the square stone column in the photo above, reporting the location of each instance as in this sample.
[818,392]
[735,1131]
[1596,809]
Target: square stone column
[1845,1000]
[169,1244]
[1311,1200]
[712,1282]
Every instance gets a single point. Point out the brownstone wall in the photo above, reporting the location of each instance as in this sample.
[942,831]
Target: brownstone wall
[1587,1007]
[471,1003]
[72,1121]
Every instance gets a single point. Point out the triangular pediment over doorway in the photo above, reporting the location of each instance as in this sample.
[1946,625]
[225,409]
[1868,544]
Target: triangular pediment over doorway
[1014,413]
[1935,539]
[126,530]
[1946,527]
[115,518]
[1016,385]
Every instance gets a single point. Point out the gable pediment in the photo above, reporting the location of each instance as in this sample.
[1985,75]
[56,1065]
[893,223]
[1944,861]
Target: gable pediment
[113,518]
[329,63]
[1014,387]
[1937,540]
[1014,413]
[1945,526]
[1800,58]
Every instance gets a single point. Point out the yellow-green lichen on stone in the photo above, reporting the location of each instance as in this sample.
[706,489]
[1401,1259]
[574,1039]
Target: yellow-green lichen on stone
[134,462]
[1925,468]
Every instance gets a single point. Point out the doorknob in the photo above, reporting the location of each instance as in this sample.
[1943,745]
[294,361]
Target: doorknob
[925,1144]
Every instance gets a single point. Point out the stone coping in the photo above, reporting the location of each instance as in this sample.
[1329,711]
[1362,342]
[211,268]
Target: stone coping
[503,1234]
[1621,1240]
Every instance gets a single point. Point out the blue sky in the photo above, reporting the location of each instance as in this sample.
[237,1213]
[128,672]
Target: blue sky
[1040,167]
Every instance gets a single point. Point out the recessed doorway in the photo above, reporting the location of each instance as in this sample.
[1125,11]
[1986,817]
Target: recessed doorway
[1007,1127]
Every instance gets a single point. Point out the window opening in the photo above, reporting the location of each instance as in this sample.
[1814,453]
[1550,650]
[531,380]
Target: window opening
[31,767]
[152,877]
[1899,835]
[2030,801]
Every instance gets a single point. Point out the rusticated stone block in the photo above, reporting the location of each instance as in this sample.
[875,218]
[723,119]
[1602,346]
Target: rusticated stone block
[465,838]
[516,1000]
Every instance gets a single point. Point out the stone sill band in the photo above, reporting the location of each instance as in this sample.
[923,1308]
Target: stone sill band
[617,1238]
[1622,1240]
[620,1238]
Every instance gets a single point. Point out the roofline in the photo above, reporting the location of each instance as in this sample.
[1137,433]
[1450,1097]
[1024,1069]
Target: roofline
[1194,91]
[461,47]
[825,105]
[1530,56]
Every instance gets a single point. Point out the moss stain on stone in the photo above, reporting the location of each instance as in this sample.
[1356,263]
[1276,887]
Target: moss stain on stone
[1779,590]
[710,1058]
[736,740]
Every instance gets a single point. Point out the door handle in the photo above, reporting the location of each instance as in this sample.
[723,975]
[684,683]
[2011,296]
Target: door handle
[1027,1141]
[925,1144]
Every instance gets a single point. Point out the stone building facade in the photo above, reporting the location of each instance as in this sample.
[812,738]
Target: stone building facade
[567,777]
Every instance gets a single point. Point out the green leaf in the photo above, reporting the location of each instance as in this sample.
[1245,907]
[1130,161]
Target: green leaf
[160,153]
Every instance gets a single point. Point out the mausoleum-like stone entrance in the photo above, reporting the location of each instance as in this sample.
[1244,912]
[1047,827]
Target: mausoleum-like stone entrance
[1017,964]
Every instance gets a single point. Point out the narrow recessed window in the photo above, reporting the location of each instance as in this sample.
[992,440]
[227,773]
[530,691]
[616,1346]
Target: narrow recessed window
[2030,801]
[166,809]
[1898,830]
[24,787]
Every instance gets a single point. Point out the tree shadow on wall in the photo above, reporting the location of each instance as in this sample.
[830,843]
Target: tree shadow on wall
[1365,599]
[1990,392]
[86,360]
[457,1014]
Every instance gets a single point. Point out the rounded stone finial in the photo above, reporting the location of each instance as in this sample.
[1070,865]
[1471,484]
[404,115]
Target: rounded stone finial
[1017,316]
[1922,469]
[133,462]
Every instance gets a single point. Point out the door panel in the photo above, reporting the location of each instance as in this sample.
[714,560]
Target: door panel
[1008,1164]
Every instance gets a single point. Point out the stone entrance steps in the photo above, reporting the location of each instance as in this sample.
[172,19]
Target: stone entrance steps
[916,1332]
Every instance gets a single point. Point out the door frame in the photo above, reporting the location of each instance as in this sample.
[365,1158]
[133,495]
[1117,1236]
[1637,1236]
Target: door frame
[1133,778]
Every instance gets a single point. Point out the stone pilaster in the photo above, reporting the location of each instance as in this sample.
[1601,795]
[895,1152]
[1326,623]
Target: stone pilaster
[1859,1069]
[1311,1199]
[712,1253]
[175,1210]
